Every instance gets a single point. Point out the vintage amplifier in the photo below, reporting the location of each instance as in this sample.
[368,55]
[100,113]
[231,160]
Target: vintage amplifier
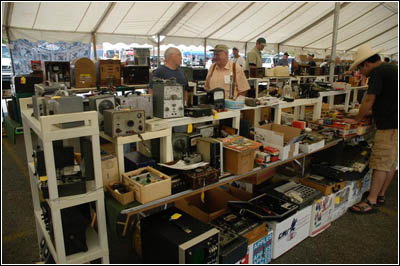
[124,122]
[178,238]
[199,111]
[83,73]
[168,99]
[138,101]
[326,186]
[211,151]
[100,103]
[135,75]
[24,83]
[183,143]
[201,176]
[58,71]
[108,73]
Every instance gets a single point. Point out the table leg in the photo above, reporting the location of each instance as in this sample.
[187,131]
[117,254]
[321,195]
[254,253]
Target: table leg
[119,149]
[278,114]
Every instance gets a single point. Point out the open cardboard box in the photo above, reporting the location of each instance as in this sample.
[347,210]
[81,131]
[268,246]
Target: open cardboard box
[149,192]
[125,198]
[109,169]
[281,137]
[215,204]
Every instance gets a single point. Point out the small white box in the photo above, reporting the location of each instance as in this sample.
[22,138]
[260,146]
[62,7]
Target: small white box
[321,214]
[290,231]
[307,148]
[340,201]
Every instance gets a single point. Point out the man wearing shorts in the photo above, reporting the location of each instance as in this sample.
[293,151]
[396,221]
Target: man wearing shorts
[382,99]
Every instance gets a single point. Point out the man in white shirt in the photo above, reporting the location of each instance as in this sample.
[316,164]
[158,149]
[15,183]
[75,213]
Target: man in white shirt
[237,58]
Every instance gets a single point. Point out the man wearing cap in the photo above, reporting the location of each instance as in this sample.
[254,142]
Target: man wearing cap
[254,58]
[312,64]
[284,61]
[225,73]
[237,58]
[382,99]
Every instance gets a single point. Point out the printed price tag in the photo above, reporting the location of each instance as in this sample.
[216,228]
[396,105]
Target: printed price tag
[190,128]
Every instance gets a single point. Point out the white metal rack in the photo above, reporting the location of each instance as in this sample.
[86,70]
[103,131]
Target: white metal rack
[47,131]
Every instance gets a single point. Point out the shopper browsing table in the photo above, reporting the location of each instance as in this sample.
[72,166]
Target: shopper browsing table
[254,58]
[284,61]
[237,58]
[382,99]
[224,71]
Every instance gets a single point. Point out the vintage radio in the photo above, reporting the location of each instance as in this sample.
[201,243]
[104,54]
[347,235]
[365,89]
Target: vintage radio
[83,73]
[168,99]
[201,176]
[24,83]
[124,122]
[211,151]
[108,73]
[326,186]
[36,65]
[216,97]
[178,238]
[138,101]
[199,111]
[135,75]
[58,71]
[100,103]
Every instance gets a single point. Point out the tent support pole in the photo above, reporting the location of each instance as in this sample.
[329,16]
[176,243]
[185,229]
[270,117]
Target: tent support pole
[334,41]
[10,50]
[158,50]
[94,46]
[245,50]
[205,51]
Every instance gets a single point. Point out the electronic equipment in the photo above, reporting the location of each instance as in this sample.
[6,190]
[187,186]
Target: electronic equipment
[205,130]
[108,72]
[325,185]
[136,75]
[188,71]
[146,178]
[124,122]
[183,143]
[265,207]
[238,224]
[297,193]
[135,160]
[43,89]
[201,177]
[216,97]
[178,185]
[87,164]
[58,71]
[100,103]
[142,56]
[168,99]
[156,124]
[211,151]
[232,247]
[260,72]
[138,101]
[67,186]
[63,157]
[199,99]
[199,111]
[24,83]
[183,240]
[337,172]
[64,105]
[192,158]
[83,73]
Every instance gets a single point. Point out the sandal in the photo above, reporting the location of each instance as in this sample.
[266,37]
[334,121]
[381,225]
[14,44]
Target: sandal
[380,200]
[369,208]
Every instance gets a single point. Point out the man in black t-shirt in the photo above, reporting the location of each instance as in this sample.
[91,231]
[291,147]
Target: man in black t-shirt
[382,99]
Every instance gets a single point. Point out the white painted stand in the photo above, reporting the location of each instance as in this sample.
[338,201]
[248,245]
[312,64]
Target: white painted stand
[46,131]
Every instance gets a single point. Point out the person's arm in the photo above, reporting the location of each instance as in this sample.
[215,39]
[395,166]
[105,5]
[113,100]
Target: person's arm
[242,83]
[366,106]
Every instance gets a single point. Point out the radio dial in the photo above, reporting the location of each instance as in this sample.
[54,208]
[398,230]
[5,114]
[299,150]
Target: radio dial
[130,123]
[118,130]
[166,109]
[139,115]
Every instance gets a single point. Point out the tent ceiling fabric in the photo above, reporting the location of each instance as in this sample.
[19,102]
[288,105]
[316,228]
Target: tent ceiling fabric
[234,23]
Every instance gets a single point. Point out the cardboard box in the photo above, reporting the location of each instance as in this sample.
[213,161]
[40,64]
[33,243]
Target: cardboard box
[321,215]
[125,198]
[355,192]
[238,163]
[238,193]
[366,182]
[307,148]
[260,177]
[340,200]
[149,192]
[290,231]
[216,204]
[109,169]
[280,137]
[259,252]
[83,73]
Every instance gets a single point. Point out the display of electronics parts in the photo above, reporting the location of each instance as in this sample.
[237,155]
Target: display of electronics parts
[265,207]
[124,122]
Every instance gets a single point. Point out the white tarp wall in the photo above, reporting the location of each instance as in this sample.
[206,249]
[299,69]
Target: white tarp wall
[304,25]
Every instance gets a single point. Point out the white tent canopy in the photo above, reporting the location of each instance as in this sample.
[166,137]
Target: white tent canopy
[300,26]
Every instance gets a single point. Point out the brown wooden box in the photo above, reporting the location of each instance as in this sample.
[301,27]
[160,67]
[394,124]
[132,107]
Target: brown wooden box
[109,69]
[83,73]
[238,163]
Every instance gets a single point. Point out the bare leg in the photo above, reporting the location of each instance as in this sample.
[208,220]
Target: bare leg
[388,180]
[378,179]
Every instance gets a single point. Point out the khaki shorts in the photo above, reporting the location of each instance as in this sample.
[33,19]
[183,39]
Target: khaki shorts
[384,150]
